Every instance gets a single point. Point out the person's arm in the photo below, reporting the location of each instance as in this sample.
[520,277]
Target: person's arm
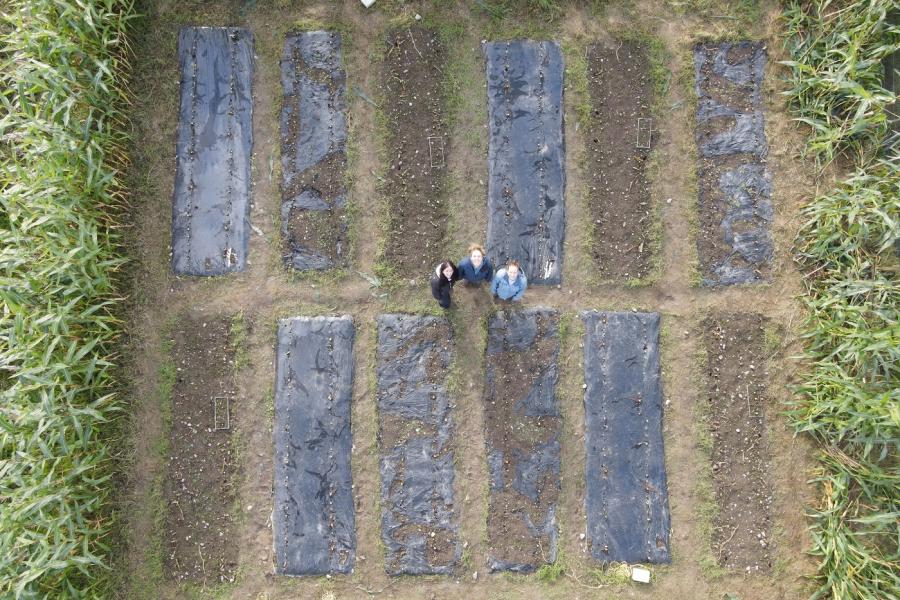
[489,273]
[436,287]
[460,269]
[523,281]
[495,283]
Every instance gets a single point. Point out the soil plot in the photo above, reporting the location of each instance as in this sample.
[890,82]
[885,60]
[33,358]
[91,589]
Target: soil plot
[736,379]
[418,524]
[211,202]
[522,431]
[417,149]
[619,139]
[526,156]
[313,151]
[313,524]
[735,243]
[199,491]
[627,501]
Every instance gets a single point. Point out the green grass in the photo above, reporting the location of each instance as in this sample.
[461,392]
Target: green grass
[64,132]
[837,73]
[849,399]
[553,572]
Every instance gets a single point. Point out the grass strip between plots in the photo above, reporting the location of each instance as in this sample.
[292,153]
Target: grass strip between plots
[63,146]
[847,248]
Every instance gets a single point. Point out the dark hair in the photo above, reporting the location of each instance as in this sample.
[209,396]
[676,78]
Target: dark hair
[513,263]
[444,265]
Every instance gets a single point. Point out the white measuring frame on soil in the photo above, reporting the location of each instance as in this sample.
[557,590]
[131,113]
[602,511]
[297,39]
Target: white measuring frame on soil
[644,133]
[221,413]
[436,151]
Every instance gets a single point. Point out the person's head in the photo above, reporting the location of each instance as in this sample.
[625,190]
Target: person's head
[512,269]
[476,255]
[447,269]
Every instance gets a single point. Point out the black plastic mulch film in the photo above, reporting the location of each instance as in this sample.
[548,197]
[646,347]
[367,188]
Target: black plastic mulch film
[418,525]
[211,202]
[313,145]
[626,497]
[735,183]
[524,481]
[313,522]
[526,157]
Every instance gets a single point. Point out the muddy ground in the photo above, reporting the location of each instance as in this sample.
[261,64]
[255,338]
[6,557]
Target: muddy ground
[200,492]
[621,92]
[522,430]
[266,291]
[416,150]
[736,374]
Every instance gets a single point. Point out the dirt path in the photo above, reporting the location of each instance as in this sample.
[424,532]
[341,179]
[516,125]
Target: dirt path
[266,292]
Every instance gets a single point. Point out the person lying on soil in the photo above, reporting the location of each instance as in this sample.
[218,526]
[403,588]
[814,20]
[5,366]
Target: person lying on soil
[476,267]
[445,275]
[509,283]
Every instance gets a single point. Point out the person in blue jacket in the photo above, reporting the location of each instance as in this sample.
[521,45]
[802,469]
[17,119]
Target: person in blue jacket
[509,283]
[476,267]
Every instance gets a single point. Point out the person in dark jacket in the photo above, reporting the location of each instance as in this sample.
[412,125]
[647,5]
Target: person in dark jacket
[476,267]
[445,275]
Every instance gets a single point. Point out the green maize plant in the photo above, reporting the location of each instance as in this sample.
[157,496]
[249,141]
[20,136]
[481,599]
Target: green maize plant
[850,401]
[837,72]
[62,148]
[849,251]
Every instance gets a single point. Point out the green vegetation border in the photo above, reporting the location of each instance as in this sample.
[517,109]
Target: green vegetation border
[849,400]
[64,137]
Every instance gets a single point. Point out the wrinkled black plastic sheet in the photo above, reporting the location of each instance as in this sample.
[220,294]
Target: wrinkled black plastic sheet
[211,203]
[627,500]
[313,522]
[416,475]
[745,190]
[526,156]
[518,331]
[314,86]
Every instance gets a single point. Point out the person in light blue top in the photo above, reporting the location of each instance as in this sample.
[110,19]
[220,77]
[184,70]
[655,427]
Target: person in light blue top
[509,283]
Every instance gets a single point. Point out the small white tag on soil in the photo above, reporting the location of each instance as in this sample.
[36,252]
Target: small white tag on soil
[641,575]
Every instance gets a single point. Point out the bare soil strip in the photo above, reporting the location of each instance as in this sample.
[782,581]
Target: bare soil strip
[734,243]
[313,151]
[419,526]
[199,487]
[736,395]
[417,149]
[619,140]
[522,433]
[211,203]
[627,497]
[313,523]
[526,157]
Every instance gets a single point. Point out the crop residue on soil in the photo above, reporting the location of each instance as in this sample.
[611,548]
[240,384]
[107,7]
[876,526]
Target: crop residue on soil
[736,394]
[313,151]
[199,489]
[734,244]
[522,432]
[418,524]
[417,150]
[619,139]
